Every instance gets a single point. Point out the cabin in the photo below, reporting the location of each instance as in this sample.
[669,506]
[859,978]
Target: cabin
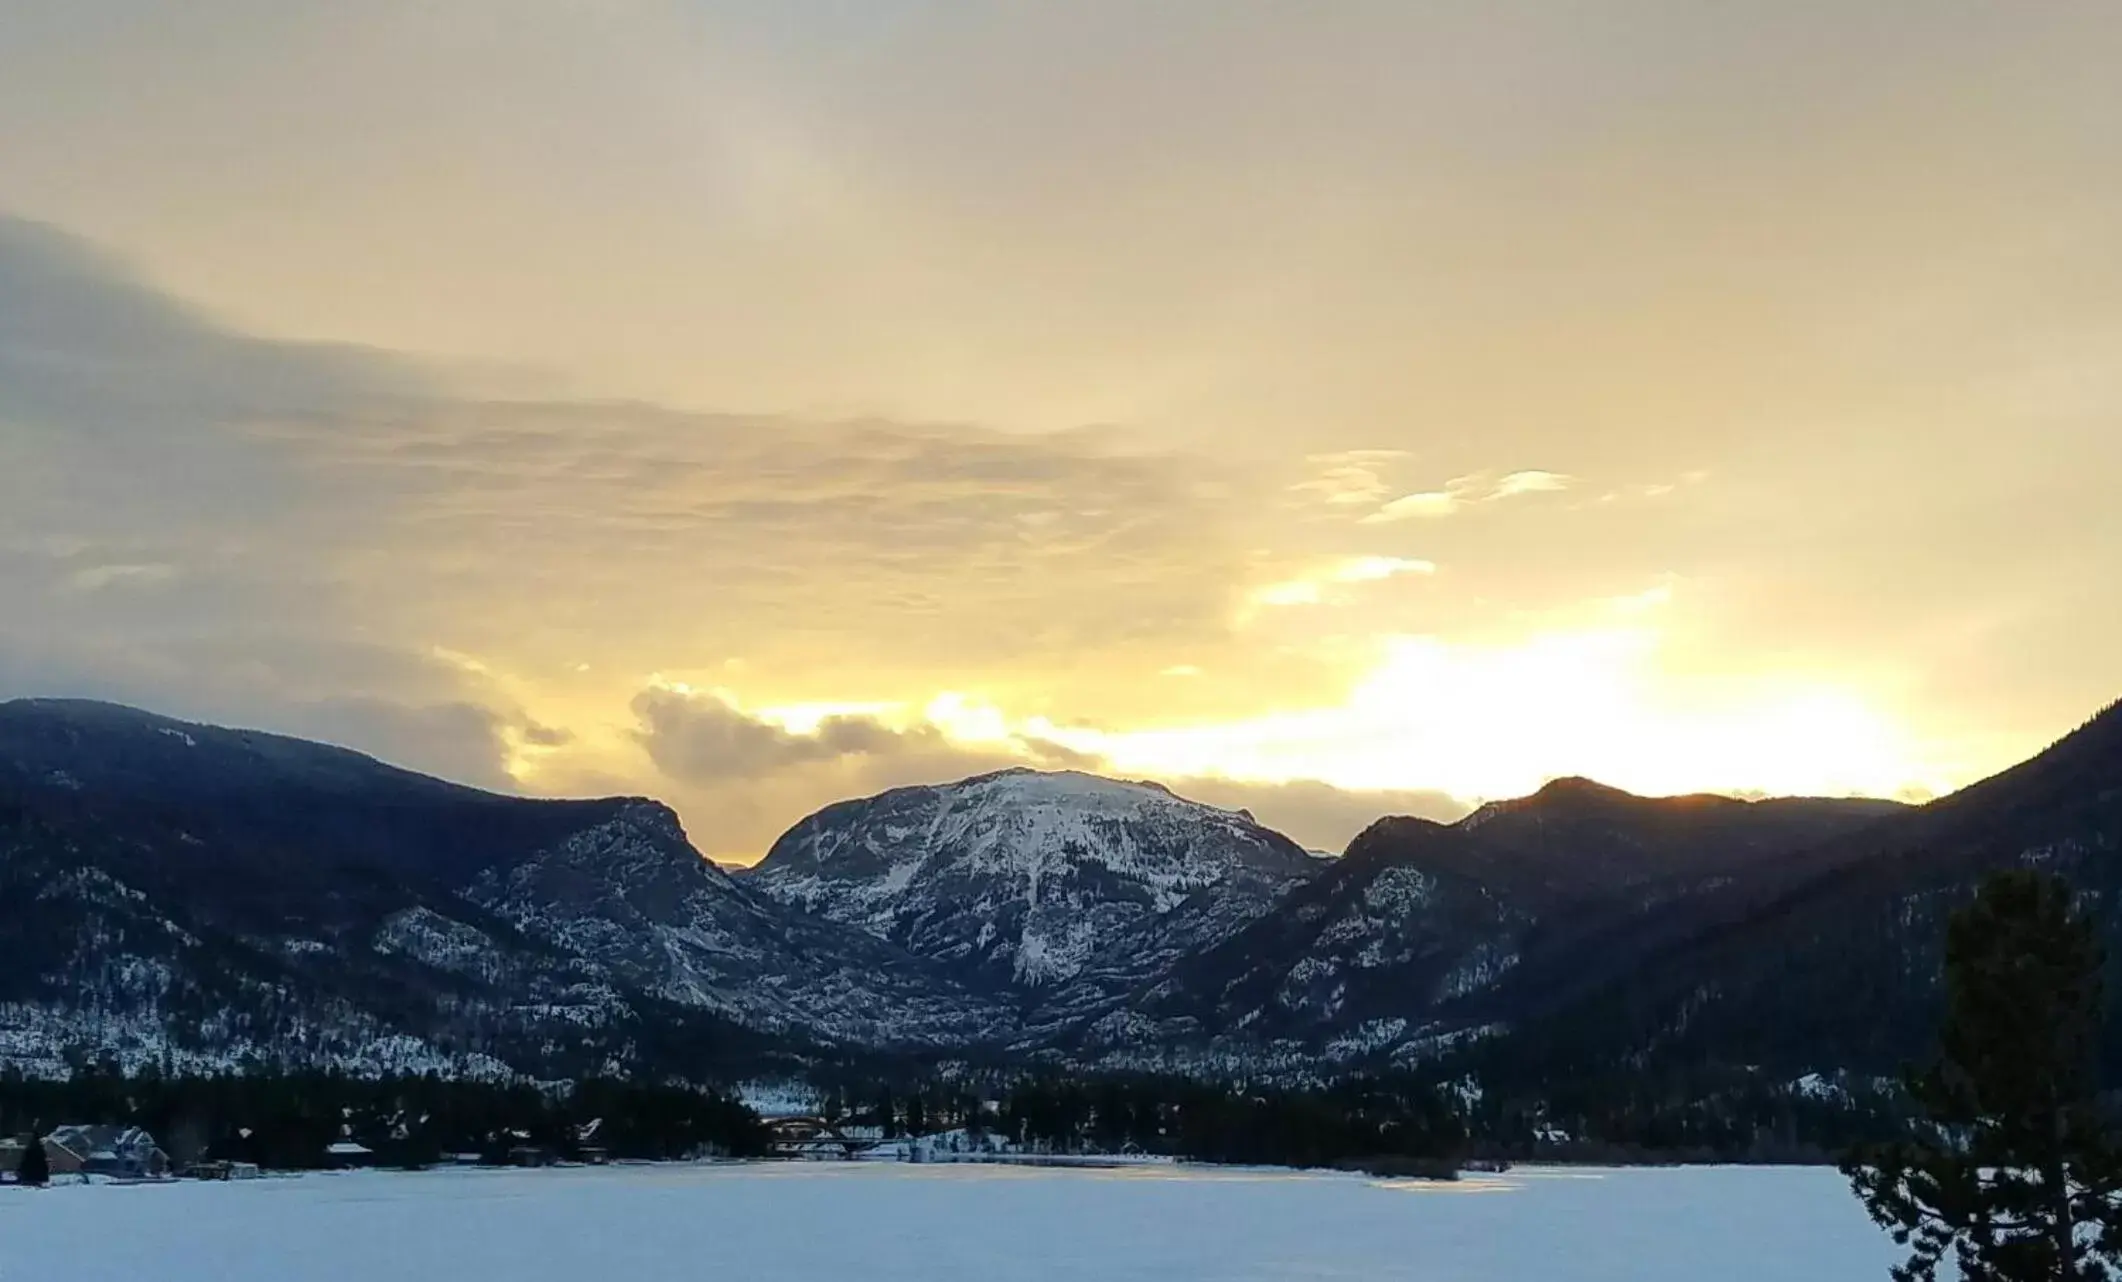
[818,1137]
[125,1152]
[346,1155]
[589,1144]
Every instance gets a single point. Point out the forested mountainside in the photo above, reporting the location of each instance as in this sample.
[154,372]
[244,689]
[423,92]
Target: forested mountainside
[1424,934]
[206,896]
[225,896]
[1833,965]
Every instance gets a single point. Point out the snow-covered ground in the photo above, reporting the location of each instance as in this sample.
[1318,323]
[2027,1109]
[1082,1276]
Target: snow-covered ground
[804,1221]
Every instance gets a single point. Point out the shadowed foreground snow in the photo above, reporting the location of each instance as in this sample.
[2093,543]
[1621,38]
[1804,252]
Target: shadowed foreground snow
[940,1224]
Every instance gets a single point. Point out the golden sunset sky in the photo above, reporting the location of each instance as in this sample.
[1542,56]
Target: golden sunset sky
[1328,408]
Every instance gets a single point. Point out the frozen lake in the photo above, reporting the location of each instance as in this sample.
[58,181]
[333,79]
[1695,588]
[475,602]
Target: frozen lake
[942,1223]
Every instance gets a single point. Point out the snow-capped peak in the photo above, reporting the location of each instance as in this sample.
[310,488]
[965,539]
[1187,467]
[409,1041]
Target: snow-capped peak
[1035,875]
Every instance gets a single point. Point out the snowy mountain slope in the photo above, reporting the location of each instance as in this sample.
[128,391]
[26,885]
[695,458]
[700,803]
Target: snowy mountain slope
[174,892]
[92,965]
[1424,932]
[1834,964]
[1385,938]
[1037,882]
[632,894]
[332,902]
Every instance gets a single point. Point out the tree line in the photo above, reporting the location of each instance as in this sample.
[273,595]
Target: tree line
[1364,1120]
[1384,1122]
[288,1121]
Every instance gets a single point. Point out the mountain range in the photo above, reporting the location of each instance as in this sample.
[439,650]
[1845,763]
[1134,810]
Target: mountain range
[188,895]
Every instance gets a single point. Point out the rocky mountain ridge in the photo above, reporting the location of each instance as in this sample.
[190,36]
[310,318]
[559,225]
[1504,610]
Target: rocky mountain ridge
[1064,889]
[242,892]
[179,892]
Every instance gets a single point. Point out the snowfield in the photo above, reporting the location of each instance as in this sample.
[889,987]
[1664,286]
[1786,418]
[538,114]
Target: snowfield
[944,1223]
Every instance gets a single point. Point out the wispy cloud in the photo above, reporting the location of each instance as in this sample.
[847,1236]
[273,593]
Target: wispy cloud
[1649,599]
[494,556]
[1349,477]
[1425,503]
[1311,588]
[478,587]
[1531,482]
[699,737]
[1464,491]
[95,578]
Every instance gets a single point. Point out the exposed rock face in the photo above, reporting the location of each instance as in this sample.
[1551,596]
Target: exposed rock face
[1425,933]
[1060,883]
[205,897]
[227,896]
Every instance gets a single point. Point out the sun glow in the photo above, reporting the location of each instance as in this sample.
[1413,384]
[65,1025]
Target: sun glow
[1483,722]
[1609,699]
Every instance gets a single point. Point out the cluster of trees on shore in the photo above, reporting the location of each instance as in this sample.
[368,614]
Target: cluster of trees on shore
[1392,1121]
[1708,1115]
[289,1121]
[1364,1121]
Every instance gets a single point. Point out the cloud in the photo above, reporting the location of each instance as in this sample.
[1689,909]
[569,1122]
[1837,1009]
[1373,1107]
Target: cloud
[751,776]
[742,778]
[397,706]
[1059,756]
[1289,592]
[373,560]
[1462,492]
[542,736]
[1371,569]
[1317,815]
[342,521]
[305,494]
[1531,482]
[95,578]
[1349,477]
[1655,597]
[1427,503]
[1311,588]
[706,738]
[463,741]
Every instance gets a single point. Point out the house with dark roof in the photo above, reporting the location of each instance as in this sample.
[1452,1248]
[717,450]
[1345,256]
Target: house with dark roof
[124,1151]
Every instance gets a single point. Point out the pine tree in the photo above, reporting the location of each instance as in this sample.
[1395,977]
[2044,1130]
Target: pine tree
[2012,1170]
[36,1168]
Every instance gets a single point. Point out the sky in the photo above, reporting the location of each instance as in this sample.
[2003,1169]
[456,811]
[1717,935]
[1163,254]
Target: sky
[1330,409]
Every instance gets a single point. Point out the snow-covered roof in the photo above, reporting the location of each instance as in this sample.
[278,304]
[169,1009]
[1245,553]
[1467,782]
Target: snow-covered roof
[102,1142]
[347,1148]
